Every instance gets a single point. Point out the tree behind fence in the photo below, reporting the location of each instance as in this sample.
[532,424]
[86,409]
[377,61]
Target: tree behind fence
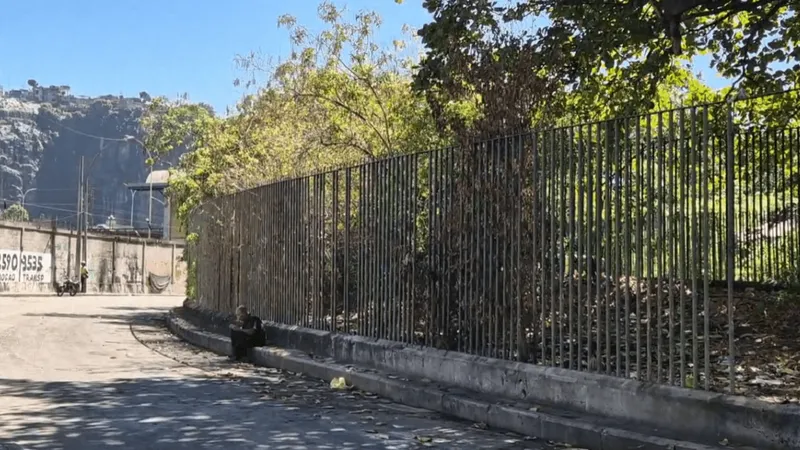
[609,247]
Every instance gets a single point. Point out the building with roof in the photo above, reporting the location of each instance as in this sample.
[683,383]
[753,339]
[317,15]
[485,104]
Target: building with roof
[157,182]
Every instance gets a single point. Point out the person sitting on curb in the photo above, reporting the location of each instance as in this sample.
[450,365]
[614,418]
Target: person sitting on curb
[246,333]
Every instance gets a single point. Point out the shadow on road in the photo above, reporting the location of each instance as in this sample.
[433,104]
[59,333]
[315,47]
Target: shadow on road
[164,413]
[135,316]
[148,413]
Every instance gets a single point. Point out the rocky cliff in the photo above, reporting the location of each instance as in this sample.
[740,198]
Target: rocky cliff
[41,144]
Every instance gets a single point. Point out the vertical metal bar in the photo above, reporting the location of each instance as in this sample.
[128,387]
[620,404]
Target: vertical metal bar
[497,215]
[385,302]
[668,232]
[552,194]
[693,232]
[394,231]
[683,243]
[291,268]
[406,255]
[432,186]
[402,263]
[374,294]
[323,250]
[399,228]
[601,264]
[508,266]
[590,269]
[348,181]
[363,293]
[629,207]
[306,189]
[608,264]
[289,213]
[402,231]
[509,205]
[447,209]
[749,185]
[489,296]
[535,194]
[415,192]
[648,200]
[384,280]
[318,278]
[474,343]
[617,191]
[390,233]
[578,259]
[793,244]
[518,210]
[781,183]
[439,252]
[481,241]
[306,250]
[377,294]
[571,183]
[311,246]
[361,234]
[766,244]
[316,301]
[562,206]
[334,248]
[762,215]
[461,285]
[741,222]
[546,222]
[666,225]
[298,250]
[731,243]
[270,222]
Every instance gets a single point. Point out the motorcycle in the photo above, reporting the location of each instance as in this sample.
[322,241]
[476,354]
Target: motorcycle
[69,286]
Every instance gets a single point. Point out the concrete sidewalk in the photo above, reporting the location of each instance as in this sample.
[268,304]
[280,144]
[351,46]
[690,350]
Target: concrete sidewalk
[540,421]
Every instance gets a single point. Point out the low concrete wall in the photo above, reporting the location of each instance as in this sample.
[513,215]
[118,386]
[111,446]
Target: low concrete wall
[115,264]
[697,415]
[581,432]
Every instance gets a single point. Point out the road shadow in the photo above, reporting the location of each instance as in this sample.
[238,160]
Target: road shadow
[134,316]
[200,412]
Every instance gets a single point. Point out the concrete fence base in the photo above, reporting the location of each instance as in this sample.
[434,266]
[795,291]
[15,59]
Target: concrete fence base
[572,429]
[697,415]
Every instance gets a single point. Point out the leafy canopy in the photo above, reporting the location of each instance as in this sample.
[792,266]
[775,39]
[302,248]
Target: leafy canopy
[339,98]
[523,60]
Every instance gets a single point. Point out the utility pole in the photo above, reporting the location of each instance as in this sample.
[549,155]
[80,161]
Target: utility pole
[80,217]
[150,204]
[86,205]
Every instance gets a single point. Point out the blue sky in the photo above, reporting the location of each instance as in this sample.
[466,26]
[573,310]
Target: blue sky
[165,47]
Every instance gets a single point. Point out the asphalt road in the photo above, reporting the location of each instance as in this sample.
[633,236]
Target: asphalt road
[90,373]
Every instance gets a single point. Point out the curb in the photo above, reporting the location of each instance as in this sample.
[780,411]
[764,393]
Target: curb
[530,423]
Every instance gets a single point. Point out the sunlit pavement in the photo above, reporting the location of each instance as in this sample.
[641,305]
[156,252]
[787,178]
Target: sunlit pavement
[101,372]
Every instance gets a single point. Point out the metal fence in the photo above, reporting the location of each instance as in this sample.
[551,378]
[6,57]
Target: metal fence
[611,247]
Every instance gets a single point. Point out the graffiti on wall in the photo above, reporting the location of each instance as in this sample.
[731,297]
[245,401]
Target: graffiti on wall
[25,266]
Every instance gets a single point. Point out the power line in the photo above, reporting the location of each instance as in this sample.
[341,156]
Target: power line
[103,215]
[99,138]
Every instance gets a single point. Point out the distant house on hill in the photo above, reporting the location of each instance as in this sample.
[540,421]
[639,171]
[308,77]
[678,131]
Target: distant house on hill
[51,93]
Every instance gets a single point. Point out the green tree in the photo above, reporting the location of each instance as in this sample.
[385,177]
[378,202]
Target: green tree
[15,213]
[532,58]
[339,98]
